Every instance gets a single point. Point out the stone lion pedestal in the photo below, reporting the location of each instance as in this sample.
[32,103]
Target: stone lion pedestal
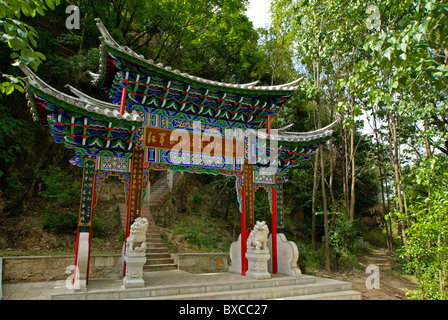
[135,256]
[134,270]
[258,253]
[258,264]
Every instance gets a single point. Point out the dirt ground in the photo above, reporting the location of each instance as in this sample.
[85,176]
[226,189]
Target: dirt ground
[392,285]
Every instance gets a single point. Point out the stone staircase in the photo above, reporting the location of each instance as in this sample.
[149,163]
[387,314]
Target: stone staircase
[158,257]
[160,188]
[180,285]
[288,288]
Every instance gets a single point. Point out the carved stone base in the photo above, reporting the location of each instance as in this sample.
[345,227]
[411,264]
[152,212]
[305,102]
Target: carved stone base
[287,256]
[134,270]
[235,256]
[82,262]
[258,264]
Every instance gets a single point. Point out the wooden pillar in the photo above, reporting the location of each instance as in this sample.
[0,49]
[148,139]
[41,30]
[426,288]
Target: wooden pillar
[135,196]
[84,234]
[279,202]
[247,212]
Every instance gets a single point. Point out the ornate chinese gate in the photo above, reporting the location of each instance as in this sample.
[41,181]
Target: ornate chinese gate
[160,119]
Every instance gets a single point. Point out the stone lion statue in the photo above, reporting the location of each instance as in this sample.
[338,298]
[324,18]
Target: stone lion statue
[136,242]
[258,238]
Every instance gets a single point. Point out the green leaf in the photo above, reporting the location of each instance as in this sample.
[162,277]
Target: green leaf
[387,53]
[50,4]
[9,89]
[395,84]
[403,46]
[15,44]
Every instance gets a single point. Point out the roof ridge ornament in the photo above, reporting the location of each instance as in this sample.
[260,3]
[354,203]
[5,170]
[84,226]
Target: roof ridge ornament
[104,32]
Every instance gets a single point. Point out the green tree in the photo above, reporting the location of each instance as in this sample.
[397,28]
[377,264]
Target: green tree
[20,37]
[426,252]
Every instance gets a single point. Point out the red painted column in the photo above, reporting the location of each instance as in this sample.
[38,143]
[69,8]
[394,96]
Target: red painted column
[91,226]
[123,100]
[269,124]
[273,218]
[85,218]
[127,225]
[274,229]
[244,236]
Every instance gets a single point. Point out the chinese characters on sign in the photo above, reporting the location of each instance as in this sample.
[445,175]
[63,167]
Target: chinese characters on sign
[249,196]
[87,195]
[136,190]
[195,142]
[279,202]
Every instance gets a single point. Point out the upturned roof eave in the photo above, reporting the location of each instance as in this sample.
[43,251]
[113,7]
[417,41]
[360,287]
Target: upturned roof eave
[284,136]
[249,88]
[83,102]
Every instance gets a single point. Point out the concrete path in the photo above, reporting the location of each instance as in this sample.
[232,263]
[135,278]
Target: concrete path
[43,290]
[28,291]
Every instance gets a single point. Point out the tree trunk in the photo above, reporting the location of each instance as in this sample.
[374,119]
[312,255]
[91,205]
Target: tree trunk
[353,172]
[324,202]
[324,193]
[332,157]
[313,208]
[398,181]
[345,169]
[380,168]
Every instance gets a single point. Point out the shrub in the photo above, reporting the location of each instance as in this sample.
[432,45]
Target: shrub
[59,222]
[59,187]
[64,223]
[426,250]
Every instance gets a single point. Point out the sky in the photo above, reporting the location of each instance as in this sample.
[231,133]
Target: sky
[258,12]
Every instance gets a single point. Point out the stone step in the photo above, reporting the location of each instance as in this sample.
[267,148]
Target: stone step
[179,285]
[154,261]
[339,295]
[157,251]
[328,290]
[160,267]
[158,255]
[153,240]
[154,245]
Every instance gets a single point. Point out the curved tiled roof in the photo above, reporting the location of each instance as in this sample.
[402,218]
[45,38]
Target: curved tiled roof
[150,85]
[82,101]
[107,40]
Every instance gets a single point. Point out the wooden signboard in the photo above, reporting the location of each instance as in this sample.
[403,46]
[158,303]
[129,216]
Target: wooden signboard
[87,195]
[249,196]
[279,203]
[159,138]
[136,188]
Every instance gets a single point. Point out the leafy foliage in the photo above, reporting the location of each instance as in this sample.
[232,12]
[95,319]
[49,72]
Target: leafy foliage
[13,135]
[20,37]
[426,251]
